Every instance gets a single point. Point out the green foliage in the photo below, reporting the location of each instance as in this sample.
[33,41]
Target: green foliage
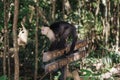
[58,76]
[1,15]
[88,75]
[4,77]
[85,72]
[115,57]
[89,25]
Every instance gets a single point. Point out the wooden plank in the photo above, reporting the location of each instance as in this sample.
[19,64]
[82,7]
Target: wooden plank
[47,56]
[62,62]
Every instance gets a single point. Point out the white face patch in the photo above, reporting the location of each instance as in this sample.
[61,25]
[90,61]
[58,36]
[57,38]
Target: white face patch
[48,32]
[44,30]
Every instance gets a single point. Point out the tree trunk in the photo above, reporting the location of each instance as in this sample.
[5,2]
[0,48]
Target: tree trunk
[5,37]
[36,44]
[118,28]
[67,6]
[106,25]
[15,44]
[53,9]
[63,9]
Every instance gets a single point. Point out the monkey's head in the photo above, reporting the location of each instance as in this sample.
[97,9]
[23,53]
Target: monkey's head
[45,30]
[48,32]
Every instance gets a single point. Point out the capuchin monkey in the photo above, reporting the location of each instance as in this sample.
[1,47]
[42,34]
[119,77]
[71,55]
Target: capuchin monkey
[58,33]
[22,36]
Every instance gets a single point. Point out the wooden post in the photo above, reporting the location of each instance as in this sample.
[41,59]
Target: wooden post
[47,56]
[64,61]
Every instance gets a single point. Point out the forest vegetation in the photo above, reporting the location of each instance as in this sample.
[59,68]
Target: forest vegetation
[97,21]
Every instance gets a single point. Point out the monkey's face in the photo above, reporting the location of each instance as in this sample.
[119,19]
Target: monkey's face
[45,30]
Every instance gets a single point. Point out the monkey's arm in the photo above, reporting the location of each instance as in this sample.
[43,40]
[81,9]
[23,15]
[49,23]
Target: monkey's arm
[53,46]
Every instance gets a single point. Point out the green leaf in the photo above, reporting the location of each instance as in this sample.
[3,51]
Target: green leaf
[86,72]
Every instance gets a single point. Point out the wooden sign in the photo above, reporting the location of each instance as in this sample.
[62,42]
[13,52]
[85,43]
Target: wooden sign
[47,56]
[64,61]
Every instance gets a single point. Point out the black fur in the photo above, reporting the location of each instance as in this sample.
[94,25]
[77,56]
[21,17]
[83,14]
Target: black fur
[62,31]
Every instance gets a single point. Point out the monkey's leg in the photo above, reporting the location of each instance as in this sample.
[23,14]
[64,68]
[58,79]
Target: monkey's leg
[63,38]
